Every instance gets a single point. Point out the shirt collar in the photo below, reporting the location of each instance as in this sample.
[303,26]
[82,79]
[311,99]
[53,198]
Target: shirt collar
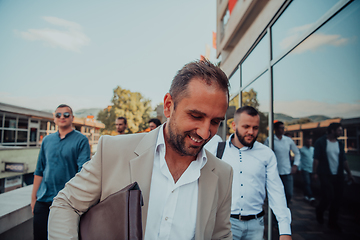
[160,146]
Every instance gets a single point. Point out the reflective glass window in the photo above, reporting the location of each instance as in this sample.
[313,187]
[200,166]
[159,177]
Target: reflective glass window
[9,136]
[1,120]
[297,19]
[257,95]
[43,125]
[256,62]
[319,79]
[23,123]
[235,83]
[10,122]
[22,136]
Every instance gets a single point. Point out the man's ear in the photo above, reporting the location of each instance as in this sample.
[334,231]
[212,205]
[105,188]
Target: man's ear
[233,125]
[168,105]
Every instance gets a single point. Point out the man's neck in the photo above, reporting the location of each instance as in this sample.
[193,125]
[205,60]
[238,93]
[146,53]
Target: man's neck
[64,131]
[331,138]
[279,136]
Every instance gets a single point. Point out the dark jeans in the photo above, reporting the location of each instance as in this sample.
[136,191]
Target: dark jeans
[288,183]
[331,195]
[41,215]
[306,176]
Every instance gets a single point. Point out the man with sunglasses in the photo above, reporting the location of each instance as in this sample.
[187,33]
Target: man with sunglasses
[61,156]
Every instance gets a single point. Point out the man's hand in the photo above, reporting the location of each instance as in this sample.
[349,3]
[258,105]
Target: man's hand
[293,169]
[33,201]
[315,176]
[285,237]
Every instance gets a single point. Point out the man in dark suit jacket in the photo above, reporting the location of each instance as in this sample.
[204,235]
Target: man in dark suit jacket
[329,164]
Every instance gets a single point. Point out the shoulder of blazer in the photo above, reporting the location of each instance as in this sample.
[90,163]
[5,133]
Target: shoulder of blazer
[137,142]
[215,164]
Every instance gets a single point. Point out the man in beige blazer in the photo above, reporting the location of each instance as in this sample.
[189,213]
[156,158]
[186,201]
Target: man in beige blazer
[194,107]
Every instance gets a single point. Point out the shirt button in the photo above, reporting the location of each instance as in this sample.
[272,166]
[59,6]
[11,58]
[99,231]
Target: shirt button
[241,209]
[240,171]
[166,218]
[241,184]
[242,196]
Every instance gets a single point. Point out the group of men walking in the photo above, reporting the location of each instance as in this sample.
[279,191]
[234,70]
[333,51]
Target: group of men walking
[188,193]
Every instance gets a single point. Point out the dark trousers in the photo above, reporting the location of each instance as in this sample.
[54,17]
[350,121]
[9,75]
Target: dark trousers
[306,176]
[40,221]
[331,195]
[288,183]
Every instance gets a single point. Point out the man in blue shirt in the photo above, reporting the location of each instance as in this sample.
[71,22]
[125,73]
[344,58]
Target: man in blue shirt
[61,156]
[306,165]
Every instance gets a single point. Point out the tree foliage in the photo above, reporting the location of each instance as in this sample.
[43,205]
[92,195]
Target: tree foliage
[131,105]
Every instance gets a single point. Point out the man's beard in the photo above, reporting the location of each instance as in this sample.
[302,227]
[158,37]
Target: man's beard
[242,139]
[177,142]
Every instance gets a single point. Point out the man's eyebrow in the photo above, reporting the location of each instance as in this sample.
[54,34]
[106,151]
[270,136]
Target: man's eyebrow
[204,114]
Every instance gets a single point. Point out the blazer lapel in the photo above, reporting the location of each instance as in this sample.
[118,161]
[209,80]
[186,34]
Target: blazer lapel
[141,169]
[207,189]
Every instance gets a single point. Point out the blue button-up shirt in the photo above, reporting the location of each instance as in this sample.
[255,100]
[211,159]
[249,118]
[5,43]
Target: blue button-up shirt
[307,159]
[59,160]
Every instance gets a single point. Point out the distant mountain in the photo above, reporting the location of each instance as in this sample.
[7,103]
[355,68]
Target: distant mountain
[287,119]
[83,113]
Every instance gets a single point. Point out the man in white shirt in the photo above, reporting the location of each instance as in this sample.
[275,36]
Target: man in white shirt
[186,190]
[255,171]
[282,147]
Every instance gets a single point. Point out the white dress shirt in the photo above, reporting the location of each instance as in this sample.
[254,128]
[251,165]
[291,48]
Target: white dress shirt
[332,152]
[254,171]
[282,151]
[172,206]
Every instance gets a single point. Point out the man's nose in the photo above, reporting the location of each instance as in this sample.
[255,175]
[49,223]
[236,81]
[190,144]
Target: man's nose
[204,131]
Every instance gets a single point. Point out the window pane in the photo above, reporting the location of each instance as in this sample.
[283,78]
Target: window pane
[298,18]
[43,125]
[1,120]
[23,123]
[235,83]
[257,95]
[319,79]
[10,122]
[256,62]
[22,136]
[9,136]
[33,133]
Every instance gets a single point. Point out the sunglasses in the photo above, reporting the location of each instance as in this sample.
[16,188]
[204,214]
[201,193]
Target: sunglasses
[65,114]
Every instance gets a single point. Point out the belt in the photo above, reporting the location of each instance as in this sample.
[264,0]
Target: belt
[249,217]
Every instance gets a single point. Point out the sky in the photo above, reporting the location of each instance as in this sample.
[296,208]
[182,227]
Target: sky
[77,52]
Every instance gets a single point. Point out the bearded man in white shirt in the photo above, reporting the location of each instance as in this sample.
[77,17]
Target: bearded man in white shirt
[282,147]
[186,190]
[255,171]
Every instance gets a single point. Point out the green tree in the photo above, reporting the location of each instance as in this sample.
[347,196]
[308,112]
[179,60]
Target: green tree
[131,105]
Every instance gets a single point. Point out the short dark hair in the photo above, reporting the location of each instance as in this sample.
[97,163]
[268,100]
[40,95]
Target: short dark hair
[333,127]
[123,118]
[202,69]
[65,105]
[277,124]
[156,121]
[248,109]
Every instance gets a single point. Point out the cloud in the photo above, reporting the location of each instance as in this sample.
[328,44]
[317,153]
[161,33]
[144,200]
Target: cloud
[72,38]
[312,43]
[303,108]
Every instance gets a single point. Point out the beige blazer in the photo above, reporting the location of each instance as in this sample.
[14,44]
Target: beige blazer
[123,159]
